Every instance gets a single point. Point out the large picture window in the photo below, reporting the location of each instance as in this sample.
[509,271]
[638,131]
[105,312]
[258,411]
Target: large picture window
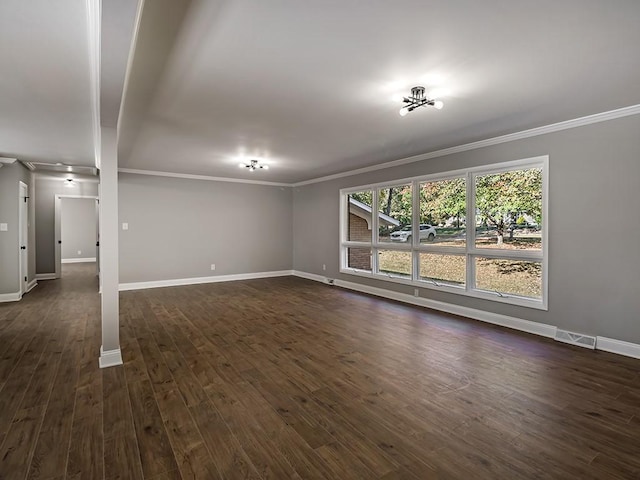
[478,232]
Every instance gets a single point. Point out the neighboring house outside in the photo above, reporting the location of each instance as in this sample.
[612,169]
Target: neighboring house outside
[360,231]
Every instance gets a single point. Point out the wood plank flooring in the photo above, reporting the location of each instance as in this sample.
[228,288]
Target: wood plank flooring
[289,379]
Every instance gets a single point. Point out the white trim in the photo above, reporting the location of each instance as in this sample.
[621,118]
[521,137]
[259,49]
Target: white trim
[94,21]
[61,176]
[198,280]
[127,73]
[489,168]
[110,358]
[533,132]
[201,177]
[605,344]
[470,251]
[58,227]
[78,260]
[31,285]
[7,160]
[46,276]
[620,347]
[310,276]
[23,231]
[93,197]
[536,328]
[10,297]
[450,288]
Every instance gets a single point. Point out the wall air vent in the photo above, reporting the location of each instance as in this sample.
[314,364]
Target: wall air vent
[329,281]
[586,341]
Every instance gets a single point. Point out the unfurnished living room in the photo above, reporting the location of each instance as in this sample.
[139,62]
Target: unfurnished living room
[325,239]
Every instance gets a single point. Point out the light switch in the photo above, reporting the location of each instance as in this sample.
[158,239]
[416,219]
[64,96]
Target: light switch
[3,227]
[125,226]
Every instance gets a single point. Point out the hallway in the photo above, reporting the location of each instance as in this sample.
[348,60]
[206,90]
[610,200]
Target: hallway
[50,383]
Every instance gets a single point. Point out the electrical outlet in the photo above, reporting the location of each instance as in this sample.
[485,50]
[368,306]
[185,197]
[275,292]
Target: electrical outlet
[125,226]
[324,267]
[79,252]
[416,292]
[4,227]
[213,266]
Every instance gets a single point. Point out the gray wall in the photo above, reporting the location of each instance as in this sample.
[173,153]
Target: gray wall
[179,227]
[10,176]
[78,222]
[46,190]
[594,232]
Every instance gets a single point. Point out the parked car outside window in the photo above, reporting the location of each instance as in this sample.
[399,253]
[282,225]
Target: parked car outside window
[404,235]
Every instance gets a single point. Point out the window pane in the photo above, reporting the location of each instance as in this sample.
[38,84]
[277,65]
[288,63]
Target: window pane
[359,258]
[515,277]
[394,263]
[446,269]
[359,218]
[443,207]
[509,210]
[394,214]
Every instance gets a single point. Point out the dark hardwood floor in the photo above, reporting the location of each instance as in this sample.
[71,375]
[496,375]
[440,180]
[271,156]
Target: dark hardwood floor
[289,379]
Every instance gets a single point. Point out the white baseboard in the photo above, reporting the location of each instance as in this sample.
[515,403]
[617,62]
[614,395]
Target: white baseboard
[310,276]
[45,276]
[618,346]
[10,297]
[78,260]
[110,358]
[31,285]
[198,280]
[536,328]
[603,343]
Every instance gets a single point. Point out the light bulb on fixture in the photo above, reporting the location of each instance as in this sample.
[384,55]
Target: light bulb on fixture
[418,98]
[254,165]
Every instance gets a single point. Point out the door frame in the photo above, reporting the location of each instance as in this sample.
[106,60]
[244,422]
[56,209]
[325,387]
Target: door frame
[23,237]
[58,228]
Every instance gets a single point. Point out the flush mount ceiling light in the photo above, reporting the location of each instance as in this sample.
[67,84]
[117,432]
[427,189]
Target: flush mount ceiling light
[254,165]
[419,99]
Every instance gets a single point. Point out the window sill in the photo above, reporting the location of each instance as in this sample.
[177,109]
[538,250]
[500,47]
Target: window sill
[458,290]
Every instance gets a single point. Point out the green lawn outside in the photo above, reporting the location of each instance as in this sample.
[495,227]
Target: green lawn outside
[514,277]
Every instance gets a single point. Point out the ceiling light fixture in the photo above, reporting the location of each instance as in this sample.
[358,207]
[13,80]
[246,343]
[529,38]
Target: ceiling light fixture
[419,99]
[69,182]
[254,165]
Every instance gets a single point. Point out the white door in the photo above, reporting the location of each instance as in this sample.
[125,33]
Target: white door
[58,235]
[98,238]
[23,226]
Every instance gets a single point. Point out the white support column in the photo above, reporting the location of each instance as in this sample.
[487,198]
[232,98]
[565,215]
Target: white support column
[110,350]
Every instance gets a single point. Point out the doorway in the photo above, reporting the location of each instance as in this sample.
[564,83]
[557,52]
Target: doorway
[23,233]
[75,230]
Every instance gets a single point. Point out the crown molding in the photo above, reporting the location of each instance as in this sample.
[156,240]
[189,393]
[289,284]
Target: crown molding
[56,176]
[201,177]
[7,160]
[533,132]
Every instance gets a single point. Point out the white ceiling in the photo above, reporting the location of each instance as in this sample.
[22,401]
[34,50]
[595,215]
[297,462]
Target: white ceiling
[306,86]
[46,111]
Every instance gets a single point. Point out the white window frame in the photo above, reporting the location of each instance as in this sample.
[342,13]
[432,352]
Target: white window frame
[470,251]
